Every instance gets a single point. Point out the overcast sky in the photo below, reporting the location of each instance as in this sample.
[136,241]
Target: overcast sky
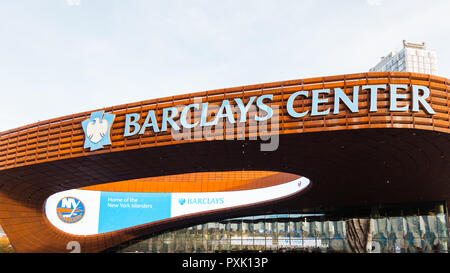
[59,57]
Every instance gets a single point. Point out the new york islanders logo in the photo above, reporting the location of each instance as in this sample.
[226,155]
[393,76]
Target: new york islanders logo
[70,210]
[96,130]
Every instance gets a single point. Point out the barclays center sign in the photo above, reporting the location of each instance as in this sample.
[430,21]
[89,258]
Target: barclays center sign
[179,118]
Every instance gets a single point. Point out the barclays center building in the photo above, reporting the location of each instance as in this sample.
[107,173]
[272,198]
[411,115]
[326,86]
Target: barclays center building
[349,163]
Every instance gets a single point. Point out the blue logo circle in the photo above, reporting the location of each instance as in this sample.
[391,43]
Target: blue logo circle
[70,210]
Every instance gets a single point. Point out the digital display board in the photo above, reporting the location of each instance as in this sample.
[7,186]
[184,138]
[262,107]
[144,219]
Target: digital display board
[84,212]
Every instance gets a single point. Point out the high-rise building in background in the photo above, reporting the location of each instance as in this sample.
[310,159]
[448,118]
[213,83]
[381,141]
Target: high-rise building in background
[412,58]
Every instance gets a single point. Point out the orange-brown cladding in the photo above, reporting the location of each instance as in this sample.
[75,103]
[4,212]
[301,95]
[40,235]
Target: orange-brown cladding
[198,182]
[42,158]
[63,137]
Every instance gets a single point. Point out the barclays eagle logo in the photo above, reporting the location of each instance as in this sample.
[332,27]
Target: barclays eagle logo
[181,201]
[96,130]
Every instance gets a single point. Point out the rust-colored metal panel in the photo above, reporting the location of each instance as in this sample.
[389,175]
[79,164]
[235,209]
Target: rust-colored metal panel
[199,182]
[62,138]
[352,158]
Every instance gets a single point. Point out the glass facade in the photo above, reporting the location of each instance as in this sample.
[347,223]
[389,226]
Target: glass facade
[410,59]
[414,232]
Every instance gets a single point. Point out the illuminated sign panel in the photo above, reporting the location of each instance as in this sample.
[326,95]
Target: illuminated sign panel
[120,210]
[111,211]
